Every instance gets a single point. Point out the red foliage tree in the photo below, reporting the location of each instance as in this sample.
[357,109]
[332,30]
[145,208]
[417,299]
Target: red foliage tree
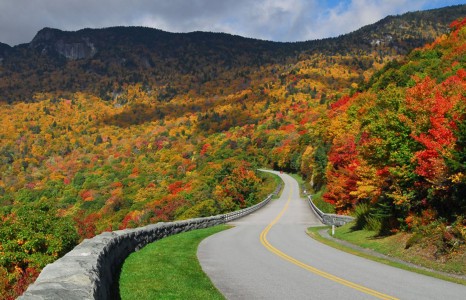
[341,176]
[85,225]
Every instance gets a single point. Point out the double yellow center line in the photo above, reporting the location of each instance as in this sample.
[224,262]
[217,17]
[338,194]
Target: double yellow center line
[265,242]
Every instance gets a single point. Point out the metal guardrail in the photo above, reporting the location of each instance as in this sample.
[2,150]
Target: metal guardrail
[329,219]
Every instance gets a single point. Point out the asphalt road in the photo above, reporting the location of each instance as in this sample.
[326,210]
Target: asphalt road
[267,255]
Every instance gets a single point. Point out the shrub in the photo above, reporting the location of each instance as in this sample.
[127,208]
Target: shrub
[414,239]
[373,224]
[361,213]
[202,209]
[446,239]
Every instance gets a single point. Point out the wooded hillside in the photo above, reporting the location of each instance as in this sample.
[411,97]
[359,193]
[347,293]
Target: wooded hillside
[121,127]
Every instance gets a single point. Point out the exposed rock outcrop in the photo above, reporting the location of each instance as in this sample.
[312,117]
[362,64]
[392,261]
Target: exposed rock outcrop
[70,45]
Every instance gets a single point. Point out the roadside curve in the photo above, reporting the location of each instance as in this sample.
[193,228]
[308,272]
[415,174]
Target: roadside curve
[267,255]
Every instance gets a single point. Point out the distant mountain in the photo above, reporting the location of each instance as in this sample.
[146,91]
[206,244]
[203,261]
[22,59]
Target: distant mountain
[98,60]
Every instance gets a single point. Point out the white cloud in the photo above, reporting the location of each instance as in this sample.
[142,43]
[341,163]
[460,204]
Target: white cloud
[279,20]
[344,19]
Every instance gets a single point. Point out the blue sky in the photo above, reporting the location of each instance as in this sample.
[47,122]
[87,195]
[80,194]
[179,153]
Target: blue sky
[278,20]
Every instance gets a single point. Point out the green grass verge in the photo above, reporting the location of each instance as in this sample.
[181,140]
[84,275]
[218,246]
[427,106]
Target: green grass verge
[269,184]
[321,204]
[316,198]
[366,239]
[169,269]
[302,184]
[394,245]
[274,182]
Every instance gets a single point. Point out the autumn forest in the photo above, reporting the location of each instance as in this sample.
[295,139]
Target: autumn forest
[137,126]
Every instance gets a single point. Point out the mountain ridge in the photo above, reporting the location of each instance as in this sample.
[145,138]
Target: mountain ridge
[96,57]
[427,14]
[373,29]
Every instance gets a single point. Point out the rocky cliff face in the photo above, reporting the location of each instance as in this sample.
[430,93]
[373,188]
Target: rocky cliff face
[73,51]
[71,46]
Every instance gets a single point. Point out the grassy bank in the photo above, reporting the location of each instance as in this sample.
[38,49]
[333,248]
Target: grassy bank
[273,181]
[321,204]
[394,246]
[316,198]
[169,269]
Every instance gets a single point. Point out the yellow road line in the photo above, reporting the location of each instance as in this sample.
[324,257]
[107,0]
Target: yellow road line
[268,246]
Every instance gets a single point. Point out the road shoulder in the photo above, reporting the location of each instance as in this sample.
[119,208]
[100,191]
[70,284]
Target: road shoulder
[322,235]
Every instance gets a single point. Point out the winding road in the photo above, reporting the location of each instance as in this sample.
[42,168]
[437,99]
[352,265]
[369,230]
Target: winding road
[267,255]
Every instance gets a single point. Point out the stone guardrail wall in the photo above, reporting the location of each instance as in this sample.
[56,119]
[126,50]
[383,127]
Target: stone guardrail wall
[239,213]
[91,269]
[329,219]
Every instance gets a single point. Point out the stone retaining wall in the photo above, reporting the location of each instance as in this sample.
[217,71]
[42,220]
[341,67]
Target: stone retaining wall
[329,219]
[91,269]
